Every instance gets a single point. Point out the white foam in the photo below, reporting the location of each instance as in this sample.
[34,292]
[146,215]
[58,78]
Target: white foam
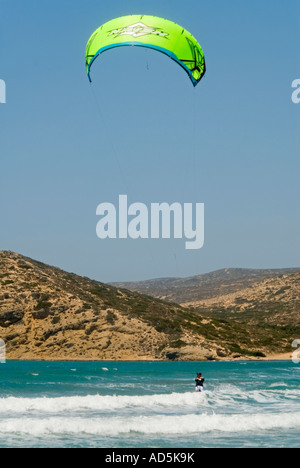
[98,402]
[223,397]
[163,425]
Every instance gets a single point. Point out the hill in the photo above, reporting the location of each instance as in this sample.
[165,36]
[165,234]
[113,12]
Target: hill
[201,287]
[46,313]
[274,301]
[49,314]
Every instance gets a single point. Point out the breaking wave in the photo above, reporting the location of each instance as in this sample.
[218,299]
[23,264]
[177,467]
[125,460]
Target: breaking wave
[188,401]
[96,402]
[158,424]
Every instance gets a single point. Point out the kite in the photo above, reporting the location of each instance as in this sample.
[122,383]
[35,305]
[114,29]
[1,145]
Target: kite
[155,33]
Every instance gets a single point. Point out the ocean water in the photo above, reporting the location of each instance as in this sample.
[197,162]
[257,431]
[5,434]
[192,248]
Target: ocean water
[149,405]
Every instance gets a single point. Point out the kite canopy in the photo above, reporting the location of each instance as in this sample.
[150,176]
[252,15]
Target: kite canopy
[152,32]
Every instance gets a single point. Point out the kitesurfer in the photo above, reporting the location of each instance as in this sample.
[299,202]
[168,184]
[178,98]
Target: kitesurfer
[199,383]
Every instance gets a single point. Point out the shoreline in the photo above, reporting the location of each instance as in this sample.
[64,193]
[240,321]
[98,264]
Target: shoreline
[287,357]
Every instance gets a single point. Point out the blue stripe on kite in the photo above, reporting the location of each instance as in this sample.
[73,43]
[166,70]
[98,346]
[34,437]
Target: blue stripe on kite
[141,44]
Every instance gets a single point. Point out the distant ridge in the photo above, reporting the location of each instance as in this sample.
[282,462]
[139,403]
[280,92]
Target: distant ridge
[206,286]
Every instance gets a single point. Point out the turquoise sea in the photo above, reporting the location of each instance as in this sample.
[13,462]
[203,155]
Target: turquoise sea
[149,404]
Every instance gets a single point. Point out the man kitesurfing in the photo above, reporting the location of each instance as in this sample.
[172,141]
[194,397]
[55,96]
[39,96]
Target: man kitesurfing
[199,383]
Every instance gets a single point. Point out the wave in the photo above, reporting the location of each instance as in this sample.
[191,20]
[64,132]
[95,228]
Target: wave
[97,402]
[150,425]
[220,398]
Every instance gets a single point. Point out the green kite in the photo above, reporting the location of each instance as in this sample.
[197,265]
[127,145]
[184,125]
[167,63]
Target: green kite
[152,32]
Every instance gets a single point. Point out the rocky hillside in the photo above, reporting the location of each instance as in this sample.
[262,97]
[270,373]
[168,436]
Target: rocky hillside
[274,301]
[48,314]
[198,288]
[269,308]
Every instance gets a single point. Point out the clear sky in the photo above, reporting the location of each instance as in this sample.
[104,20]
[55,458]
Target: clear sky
[141,129]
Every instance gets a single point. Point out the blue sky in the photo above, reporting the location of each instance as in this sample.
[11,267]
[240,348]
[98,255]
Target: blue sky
[141,129]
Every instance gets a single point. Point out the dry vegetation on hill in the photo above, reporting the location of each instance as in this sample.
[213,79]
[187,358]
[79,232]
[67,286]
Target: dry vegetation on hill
[46,313]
